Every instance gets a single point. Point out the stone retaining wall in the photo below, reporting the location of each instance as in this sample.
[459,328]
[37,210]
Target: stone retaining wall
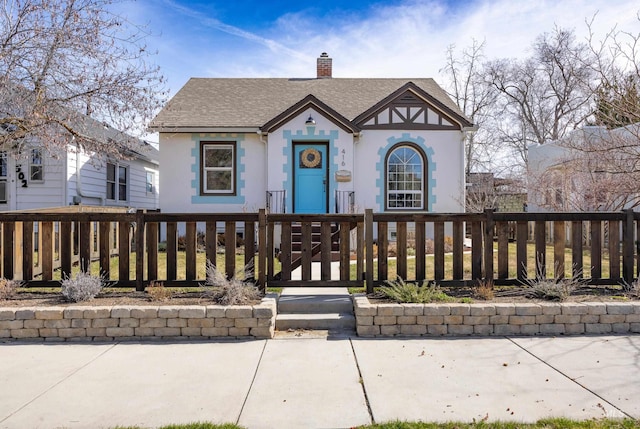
[126,322]
[384,320]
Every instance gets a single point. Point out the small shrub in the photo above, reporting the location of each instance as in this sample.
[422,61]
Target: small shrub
[234,291]
[157,292]
[557,288]
[8,288]
[631,290]
[484,290]
[403,292]
[82,287]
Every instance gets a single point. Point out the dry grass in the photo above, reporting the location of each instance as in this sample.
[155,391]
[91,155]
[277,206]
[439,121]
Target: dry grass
[157,292]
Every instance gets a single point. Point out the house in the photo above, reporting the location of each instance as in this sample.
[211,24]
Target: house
[591,169]
[486,191]
[316,145]
[36,180]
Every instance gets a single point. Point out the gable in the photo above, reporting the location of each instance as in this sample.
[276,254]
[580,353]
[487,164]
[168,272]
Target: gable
[410,109]
[302,105]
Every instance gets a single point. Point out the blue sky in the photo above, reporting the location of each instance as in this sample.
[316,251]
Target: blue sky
[396,38]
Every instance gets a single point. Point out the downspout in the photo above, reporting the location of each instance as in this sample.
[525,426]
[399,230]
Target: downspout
[261,137]
[79,181]
[466,131]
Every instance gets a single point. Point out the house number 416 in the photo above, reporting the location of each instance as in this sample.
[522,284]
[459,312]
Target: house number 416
[343,152]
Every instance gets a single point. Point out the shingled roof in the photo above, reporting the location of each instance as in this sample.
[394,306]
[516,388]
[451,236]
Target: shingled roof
[250,103]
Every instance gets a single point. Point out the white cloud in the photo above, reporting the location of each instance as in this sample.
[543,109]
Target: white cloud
[408,39]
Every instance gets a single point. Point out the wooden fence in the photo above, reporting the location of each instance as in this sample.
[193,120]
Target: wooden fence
[451,249]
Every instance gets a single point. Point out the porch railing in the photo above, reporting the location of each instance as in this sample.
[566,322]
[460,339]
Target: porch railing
[276,201]
[135,249]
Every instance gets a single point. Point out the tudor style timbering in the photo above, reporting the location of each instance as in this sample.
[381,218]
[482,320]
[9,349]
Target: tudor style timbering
[408,111]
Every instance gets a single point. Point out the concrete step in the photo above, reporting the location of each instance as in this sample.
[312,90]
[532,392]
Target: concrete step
[314,321]
[312,303]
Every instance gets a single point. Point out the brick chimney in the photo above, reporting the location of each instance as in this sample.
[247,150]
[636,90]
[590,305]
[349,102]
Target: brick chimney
[324,66]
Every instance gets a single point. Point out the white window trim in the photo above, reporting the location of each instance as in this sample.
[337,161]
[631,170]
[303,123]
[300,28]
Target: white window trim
[117,198]
[421,192]
[204,169]
[32,165]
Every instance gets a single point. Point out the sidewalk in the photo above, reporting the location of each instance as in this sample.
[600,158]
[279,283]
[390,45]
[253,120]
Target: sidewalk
[318,382]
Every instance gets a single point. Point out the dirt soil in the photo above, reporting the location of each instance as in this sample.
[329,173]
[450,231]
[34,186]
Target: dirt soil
[517,295]
[32,299]
[44,299]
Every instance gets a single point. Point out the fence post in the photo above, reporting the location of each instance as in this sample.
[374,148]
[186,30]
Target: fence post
[262,248]
[368,238]
[628,246]
[488,244]
[140,250]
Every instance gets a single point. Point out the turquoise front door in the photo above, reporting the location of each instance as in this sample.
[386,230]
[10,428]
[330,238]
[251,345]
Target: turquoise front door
[310,178]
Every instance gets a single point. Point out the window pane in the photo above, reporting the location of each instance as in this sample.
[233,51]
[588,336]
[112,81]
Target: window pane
[218,157]
[404,179]
[122,175]
[111,191]
[111,172]
[122,192]
[36,172]
[219,181]
[150,181]
[3,164]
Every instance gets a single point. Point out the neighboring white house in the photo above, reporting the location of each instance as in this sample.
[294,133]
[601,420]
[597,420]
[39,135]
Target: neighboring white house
[36,180]
[591,169]
[316,145]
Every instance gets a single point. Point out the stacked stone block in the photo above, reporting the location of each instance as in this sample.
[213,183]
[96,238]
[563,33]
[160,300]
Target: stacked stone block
[454,319]
[123,322]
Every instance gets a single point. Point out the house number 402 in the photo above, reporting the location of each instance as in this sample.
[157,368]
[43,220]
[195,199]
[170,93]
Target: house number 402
[21,176]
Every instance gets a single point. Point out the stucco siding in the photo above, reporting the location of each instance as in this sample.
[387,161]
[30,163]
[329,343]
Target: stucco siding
[445,171]
[180,180]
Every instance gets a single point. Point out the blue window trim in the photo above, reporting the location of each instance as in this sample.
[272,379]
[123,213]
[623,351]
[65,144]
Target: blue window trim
[381,166]
[239,198]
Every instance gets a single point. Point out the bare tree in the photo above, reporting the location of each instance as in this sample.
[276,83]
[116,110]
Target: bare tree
[593,169]
[544,96]
[475,97]
[62,61]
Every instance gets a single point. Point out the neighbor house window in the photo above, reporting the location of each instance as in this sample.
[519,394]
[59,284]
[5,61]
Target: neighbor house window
[36,169]
[150,182]
[3,177]
[218,173]
[405,178]
[117,181]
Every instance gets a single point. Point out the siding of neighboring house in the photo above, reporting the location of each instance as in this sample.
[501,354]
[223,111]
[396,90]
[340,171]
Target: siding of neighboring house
[59,186]
[36,194]
[93,182]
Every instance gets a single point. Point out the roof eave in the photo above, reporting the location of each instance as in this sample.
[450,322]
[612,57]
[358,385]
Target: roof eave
[201,129]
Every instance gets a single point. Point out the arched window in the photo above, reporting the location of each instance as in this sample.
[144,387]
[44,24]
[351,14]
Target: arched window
[405,178]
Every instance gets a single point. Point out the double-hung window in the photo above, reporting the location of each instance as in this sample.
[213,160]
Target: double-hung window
[36,168]
[405,179]
[218,172]
[3,177]
[117,182]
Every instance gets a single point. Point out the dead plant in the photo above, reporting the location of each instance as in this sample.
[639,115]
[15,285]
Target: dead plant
[157,292]
[484,290]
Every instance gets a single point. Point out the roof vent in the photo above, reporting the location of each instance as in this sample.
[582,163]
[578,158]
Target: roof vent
[324,66]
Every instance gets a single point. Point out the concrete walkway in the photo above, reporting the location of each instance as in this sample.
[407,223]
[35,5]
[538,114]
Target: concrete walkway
[305,382]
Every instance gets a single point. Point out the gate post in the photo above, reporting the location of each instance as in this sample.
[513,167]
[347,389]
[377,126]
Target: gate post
[628,246]
[262,249]
[488,244]
[368,238]
[140,250]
